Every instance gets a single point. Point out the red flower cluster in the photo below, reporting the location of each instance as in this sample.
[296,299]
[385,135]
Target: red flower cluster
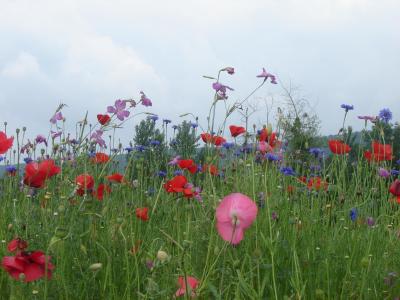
[188,164]
[338,147]
[100,158]
[29,266]
[85,183]
[36,174]
[379,152]
[116,177]
[236,130]
[142,213]
[212,139]
[5,143]
[103,119]
[179,184]
[265,136]
[212,169]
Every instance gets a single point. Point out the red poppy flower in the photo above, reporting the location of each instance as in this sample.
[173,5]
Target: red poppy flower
[17,244]
[5,143]
[37,173]
[31,264]
[206,137]
[192,284]
[212,169]
[176,184]
[379,152]
[100,158]
[188,164]
[316,183]
[394,189]
[116,177]
[269,138]
[142,213]
[103,119]
[338,147]
[236,130]
[101,189]
[218,140]
[85,183]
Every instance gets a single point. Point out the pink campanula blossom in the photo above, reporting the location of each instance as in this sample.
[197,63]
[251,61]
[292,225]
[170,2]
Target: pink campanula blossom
[119,110]
[97,137]
[235,213]
[56,117]
[145,101]
[174,161]
[40,139]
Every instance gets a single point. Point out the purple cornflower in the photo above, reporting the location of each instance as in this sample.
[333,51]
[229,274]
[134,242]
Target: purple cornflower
[193,125]
[395,172]
[383,173]
[161,173]
[119,109]
[97,138]
[353,214]
[221,90]
[398,162]
[56,117]
[385,115]
[40,139]
[174,127]
[264,74]
[1,158]
[272,157]
[153,118]
[166,121]
[347,107]
[129,149]
[288,171]
[145,101]
[140,148]
[174,161]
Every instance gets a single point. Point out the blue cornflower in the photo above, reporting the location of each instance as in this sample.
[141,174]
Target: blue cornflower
[178,172]
[129,149]
[315,168]
[153,118]
[194,125]
[395,172]
[92,154]
[228,145]
[166,121]
[161,173]
[154,142]
[140,148]
[247,149]
[272,157]
[173,142]
[315,151]
[353,214]
[27,160]
[288,171]
[1,158]
[174,127]
[347,107]
[11,169]
[385,115]
[398,162]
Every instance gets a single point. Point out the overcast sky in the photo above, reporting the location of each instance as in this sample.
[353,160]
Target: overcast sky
[87,54]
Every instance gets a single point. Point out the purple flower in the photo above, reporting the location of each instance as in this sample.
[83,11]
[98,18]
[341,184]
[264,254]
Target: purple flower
[272,157]
[367,118]
[145,101]
[288,171]
[154,142]
[162,174]
[228,145]
[174,127]
[178,172]
[174,161]
[11,169]
[166,121]
[370,221]
[27,160]
[398,162]
[383,173]
[1,158]
[55,134]
[40,139]
[221,90]
[395,172]
[229,70]
[385,115]
[119,110]
[347,107]
[97,137]
[193,125]
[57,117]
[264,74]
[140,148]
[315,151]
[129,149]
[274,216]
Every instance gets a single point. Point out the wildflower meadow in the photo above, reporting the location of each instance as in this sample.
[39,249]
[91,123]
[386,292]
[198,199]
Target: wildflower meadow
[201,208]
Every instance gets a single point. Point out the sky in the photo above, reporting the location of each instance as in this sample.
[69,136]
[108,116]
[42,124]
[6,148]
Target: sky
[89,53]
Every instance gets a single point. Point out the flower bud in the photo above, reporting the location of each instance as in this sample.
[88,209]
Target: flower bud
[95,267]
[162,255]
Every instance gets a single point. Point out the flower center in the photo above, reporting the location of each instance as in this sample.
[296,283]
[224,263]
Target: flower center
[234,217]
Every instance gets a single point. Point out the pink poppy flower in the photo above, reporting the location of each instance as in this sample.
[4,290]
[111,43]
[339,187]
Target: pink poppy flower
[264,74]
[235,213]
[192,282]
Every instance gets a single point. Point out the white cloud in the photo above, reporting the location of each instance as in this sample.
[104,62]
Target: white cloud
[23,66]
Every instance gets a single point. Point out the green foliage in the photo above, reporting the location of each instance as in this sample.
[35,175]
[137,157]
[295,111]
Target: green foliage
[185,140]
